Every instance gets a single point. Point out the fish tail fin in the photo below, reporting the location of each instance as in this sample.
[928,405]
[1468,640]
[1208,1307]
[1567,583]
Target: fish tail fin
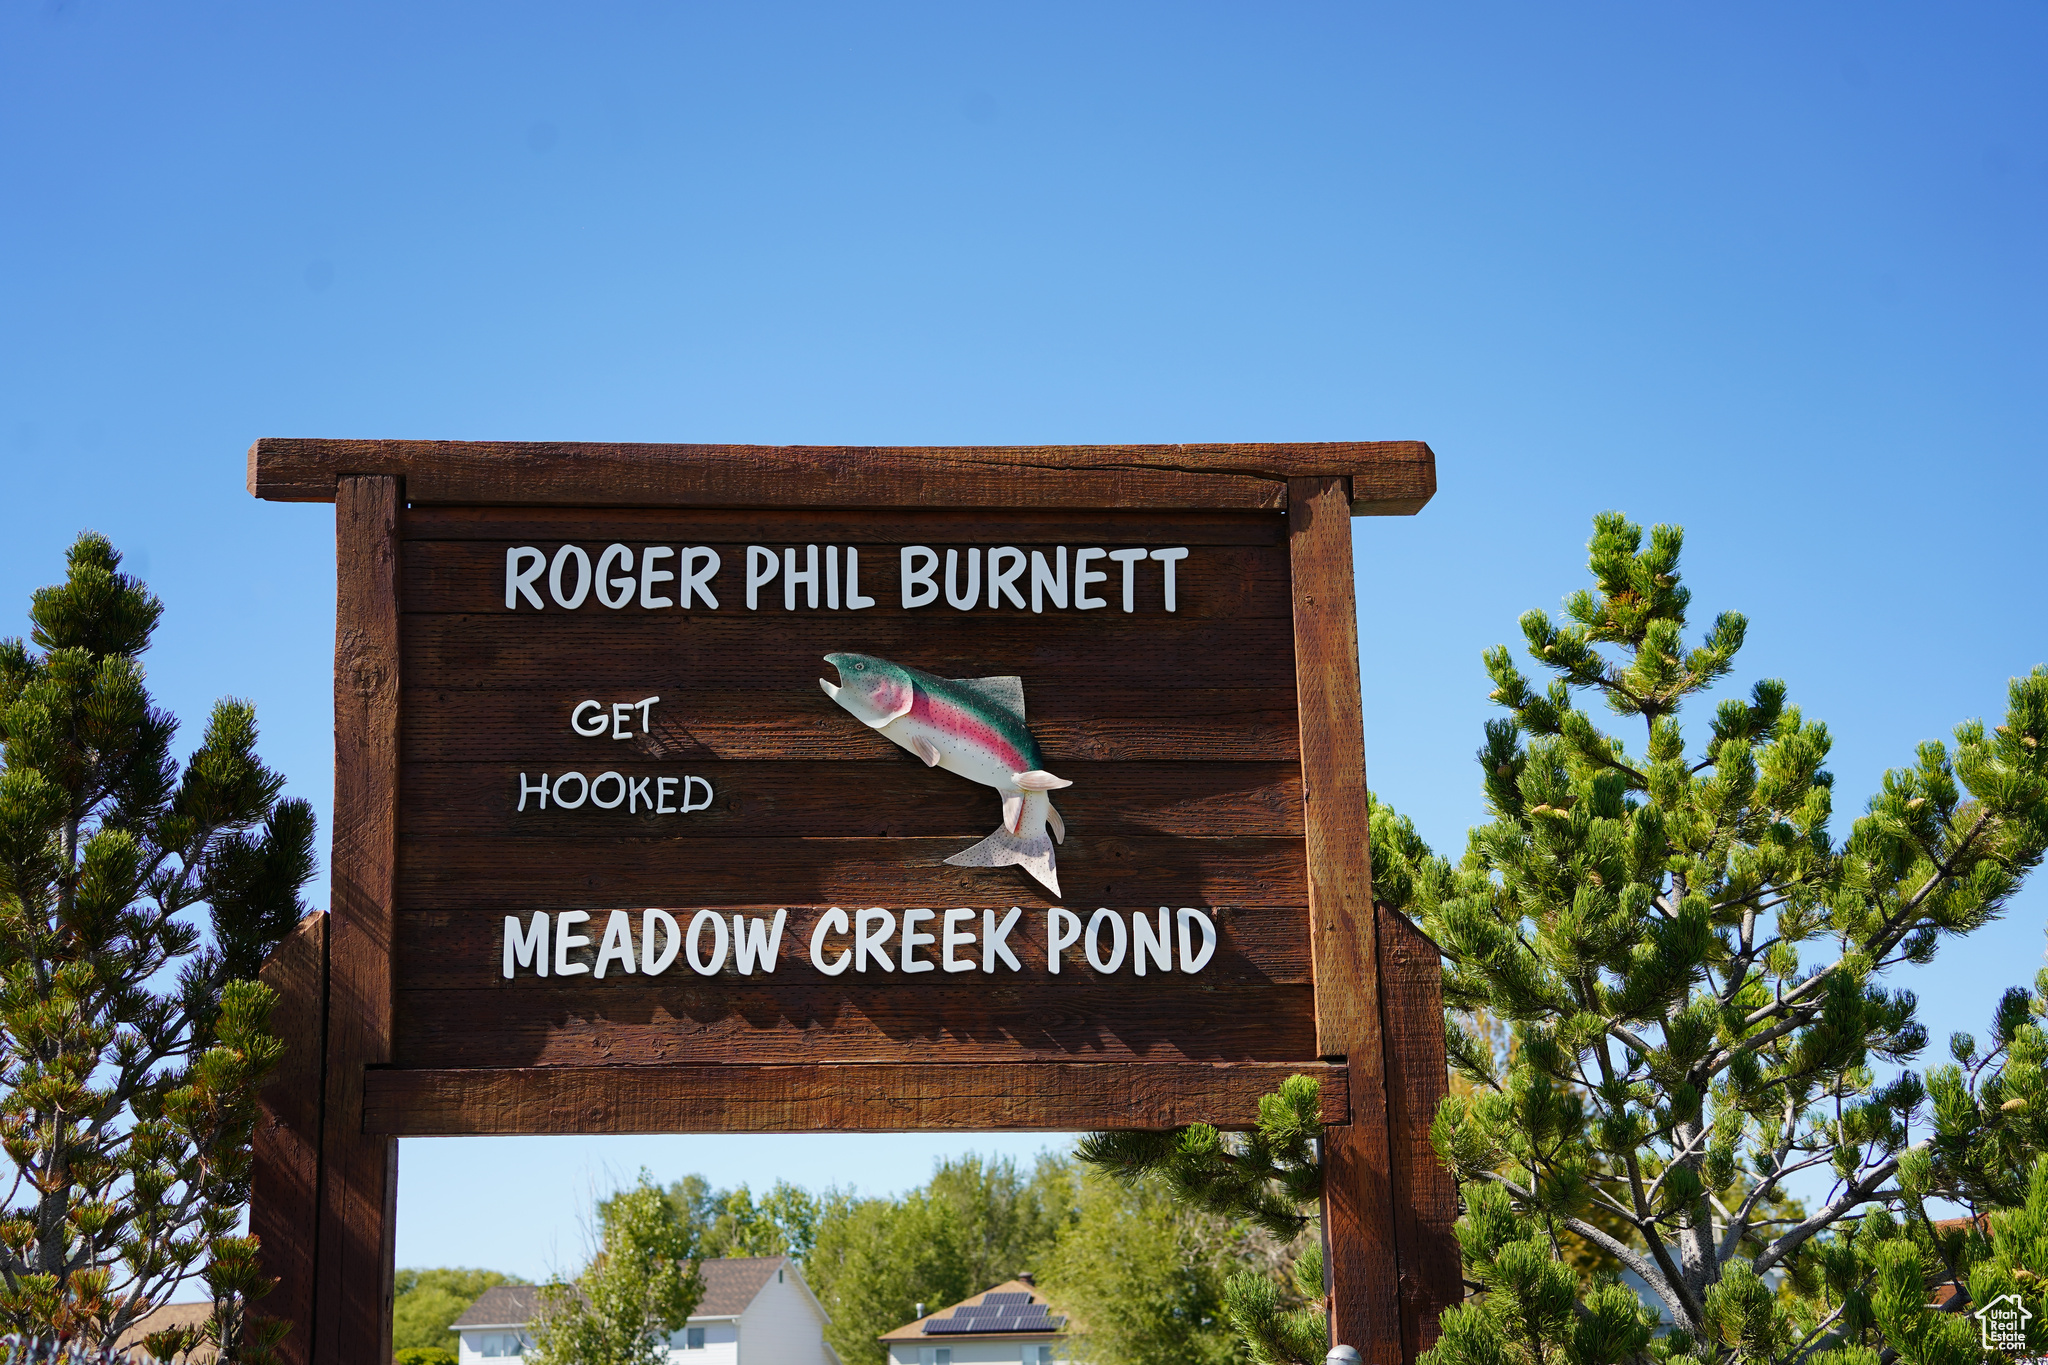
[1032,852]
[1055,824]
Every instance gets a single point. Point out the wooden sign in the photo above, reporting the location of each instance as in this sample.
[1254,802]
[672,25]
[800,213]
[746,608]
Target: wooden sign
[687,788]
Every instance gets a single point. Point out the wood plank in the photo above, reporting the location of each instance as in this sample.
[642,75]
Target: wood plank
[1418,1077]
[284,1174]
[464,950]
[1211,583]
[459,873]
[862,800]
[1023,1097]
[579,656]
[1357,1196]
[844,526]
[1071,724]
[352,1316]
[821,1020]
[1394,477]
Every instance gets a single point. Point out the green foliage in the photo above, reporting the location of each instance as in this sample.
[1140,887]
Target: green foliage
[975,1224]
[1637,916]
[638,1289]
[1143,1275]
[131,1042]
[424,1302]
[783,1222]
[424,1355]
[1268,1179]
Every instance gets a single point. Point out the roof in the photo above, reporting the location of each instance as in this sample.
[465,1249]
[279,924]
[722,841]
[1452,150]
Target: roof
[915,1330]
[163,1319]
[731,1282]
[503,1305]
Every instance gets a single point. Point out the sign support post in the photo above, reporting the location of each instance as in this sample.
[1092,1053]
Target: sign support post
[610,762]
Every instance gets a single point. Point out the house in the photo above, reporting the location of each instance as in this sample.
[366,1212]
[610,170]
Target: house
[1009,1325]
[756,1310]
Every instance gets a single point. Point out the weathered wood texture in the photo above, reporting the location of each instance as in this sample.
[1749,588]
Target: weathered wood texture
[520,725]
[1424,1194]
[284,1182]
[352,1316]
[1357,1208]
[439,873]
[1379,477]
[1057,1097]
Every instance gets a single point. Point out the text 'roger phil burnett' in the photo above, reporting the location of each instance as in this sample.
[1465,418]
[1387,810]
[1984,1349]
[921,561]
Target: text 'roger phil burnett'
[870,940]
[670,576]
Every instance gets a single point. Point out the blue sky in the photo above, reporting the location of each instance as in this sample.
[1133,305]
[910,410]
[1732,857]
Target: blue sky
[1772,272]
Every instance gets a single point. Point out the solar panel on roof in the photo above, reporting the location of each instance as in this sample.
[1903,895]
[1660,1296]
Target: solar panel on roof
[1012,1296]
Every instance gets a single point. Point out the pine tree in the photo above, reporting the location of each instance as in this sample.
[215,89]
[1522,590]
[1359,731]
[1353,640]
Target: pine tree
[1636,918]
[132,1040]
[639,1288]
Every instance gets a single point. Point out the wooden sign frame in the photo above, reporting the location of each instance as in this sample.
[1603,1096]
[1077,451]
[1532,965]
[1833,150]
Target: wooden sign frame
[326,1171]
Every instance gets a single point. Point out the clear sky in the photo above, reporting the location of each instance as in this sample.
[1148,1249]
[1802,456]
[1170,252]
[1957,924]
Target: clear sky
[1771,272]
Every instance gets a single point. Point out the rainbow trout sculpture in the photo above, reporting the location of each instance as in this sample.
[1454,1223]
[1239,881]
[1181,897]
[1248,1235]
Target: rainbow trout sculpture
[970,726]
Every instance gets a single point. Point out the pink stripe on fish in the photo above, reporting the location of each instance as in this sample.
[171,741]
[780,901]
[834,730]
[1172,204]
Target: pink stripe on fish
[965,725]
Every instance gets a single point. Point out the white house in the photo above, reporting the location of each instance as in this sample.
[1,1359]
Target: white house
[756,1310]
[1009,1325]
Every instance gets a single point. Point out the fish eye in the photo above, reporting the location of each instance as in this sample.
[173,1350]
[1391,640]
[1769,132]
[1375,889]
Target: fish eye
[860,668]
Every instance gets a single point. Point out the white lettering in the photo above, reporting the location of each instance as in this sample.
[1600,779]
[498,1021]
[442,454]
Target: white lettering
[877,943]
[528,949]
[833,922]
[518,580]
[607,585]
[637,793]
[1043,582]
[622,715]
[761,567]
[1168,558]
[1145,943]
[573,600]
[1005,563]
[1094,943]
[809,578]
[1191,961]
[963,601]
[617,945]
[576,719]
[994,939]
[923,578]
[664,788]
[755,941]
[690,784]
[652,963]
[1062,931]
[913,940]
[1129,559]
[645,706]
[952,938]
[649,576]
[696,582]
[599,802]
[566,941]
[1083,576]
[582,791]
[693,939]
[854,600]
[526,790]
[832,577]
